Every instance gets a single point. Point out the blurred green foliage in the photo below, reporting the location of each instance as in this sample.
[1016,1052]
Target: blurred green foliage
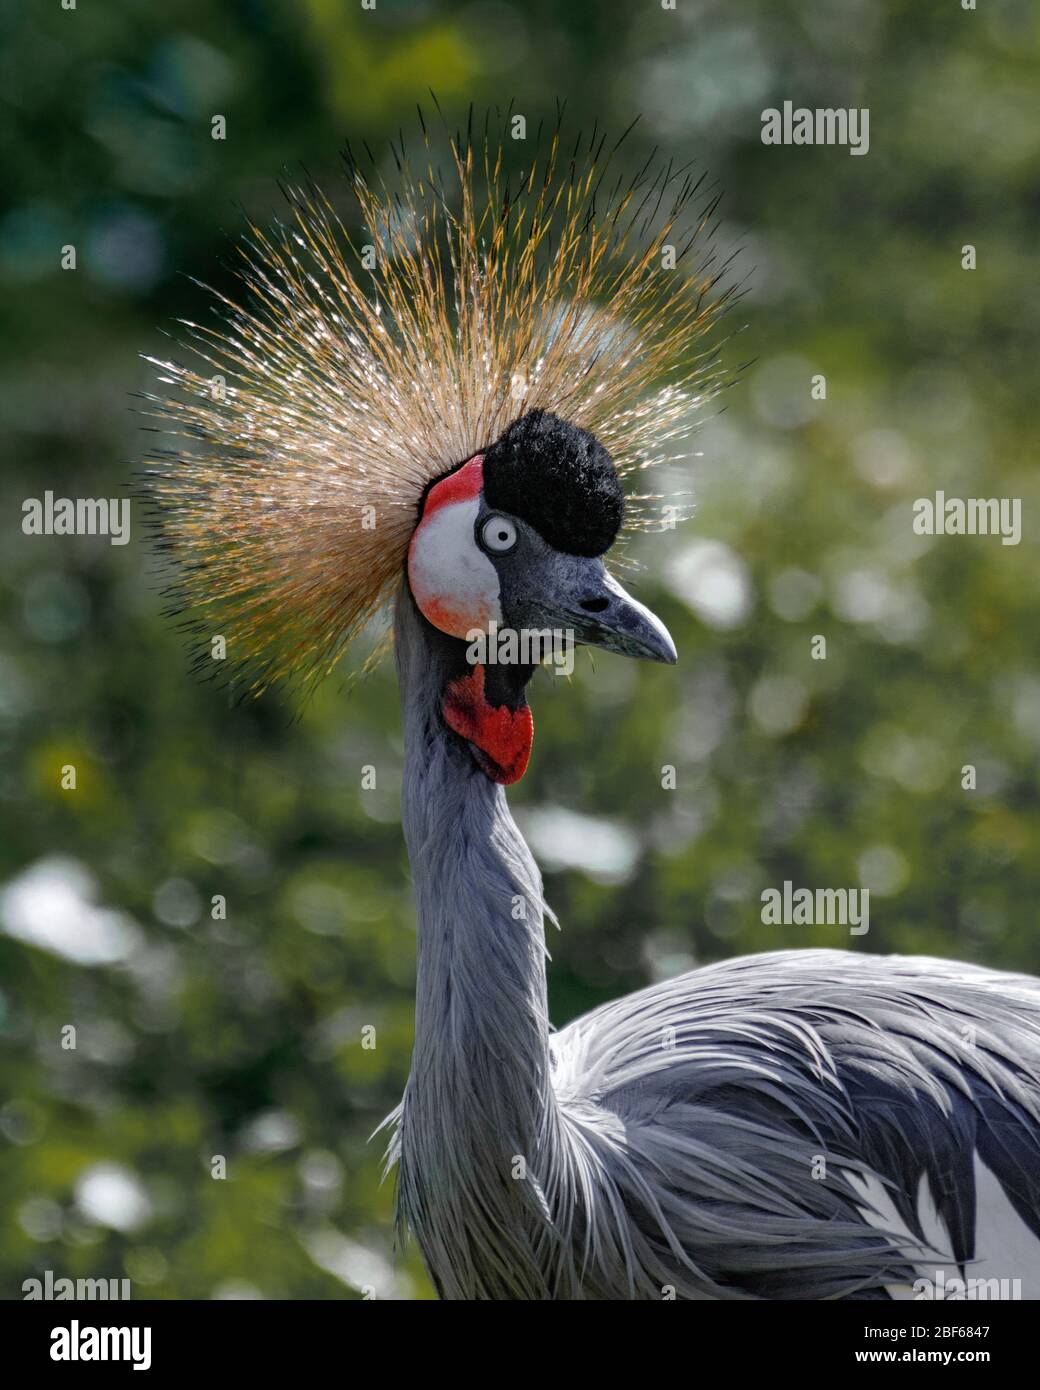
[243,1037]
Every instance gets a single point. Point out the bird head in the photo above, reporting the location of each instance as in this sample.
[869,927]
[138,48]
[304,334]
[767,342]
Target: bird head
[453,399]
[510,545]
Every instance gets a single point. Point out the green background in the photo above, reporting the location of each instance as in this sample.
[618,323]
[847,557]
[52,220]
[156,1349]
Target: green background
[242,1037]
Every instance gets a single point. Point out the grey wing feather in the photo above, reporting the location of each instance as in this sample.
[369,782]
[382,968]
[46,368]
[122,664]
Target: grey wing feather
[737,1111]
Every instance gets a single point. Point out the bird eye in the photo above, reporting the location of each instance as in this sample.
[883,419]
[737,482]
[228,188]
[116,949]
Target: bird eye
[498,534]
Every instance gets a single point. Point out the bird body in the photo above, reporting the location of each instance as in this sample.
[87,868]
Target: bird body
[830,1060]
[455,438]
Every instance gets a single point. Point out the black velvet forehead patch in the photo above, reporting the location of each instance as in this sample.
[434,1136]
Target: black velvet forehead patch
[559,479]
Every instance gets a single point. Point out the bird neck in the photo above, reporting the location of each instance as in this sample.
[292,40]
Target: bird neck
[481,948]
[478,1105]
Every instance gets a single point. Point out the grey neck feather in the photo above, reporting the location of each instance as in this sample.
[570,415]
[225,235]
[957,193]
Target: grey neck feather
[478,1121]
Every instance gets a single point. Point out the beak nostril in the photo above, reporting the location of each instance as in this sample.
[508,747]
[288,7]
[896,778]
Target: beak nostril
[594,605]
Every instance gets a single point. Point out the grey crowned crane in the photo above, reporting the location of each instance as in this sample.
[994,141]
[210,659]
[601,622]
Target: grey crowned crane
[439,417]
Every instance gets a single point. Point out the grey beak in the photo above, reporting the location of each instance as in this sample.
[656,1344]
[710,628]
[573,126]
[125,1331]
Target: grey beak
[580,597]
[625,625]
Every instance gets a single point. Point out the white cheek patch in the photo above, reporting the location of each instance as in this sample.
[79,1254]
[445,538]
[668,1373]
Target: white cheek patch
[452,580]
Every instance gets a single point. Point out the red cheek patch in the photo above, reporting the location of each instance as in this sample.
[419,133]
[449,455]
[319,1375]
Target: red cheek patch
[461,486]
[501,737]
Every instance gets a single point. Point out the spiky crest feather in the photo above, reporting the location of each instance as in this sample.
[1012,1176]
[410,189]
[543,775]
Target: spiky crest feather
[329,398]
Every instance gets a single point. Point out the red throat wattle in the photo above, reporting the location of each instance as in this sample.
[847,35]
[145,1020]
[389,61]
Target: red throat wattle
[501,737]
